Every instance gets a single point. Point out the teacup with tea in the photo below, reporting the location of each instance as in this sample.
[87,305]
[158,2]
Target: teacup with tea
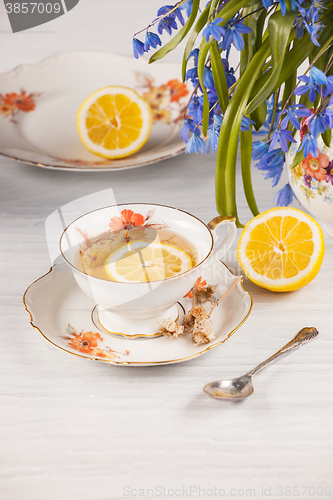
[137,260]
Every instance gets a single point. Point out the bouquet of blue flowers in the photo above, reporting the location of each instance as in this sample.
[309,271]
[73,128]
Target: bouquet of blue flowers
[264,95]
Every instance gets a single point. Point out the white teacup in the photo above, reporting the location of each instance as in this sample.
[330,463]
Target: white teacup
[140,305]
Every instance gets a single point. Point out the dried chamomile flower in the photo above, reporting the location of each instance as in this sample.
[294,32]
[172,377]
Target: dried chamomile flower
[202,332]
[199,313]
[170,328]
[205,295]
[188,323]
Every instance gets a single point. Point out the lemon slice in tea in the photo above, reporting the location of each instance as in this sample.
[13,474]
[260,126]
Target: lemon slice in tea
[114,122]
[142,262]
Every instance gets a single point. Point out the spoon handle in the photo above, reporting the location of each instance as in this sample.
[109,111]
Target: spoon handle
[303,336]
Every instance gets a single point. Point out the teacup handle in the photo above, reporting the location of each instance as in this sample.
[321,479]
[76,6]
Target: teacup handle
[229,238]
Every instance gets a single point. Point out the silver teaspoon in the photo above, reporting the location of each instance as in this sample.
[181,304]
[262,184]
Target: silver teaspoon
[241,387]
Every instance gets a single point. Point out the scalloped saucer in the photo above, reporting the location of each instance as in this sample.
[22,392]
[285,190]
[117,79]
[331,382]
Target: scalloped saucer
[64,315]
[39,104]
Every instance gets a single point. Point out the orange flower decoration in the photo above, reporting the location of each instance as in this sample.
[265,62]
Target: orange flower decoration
[6,110]
[315,167]
[199,285]
[127,220]
[85,342]
[100,353]
[178,90]
[20,101]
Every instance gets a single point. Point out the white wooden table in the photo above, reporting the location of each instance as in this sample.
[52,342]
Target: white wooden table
[71,429]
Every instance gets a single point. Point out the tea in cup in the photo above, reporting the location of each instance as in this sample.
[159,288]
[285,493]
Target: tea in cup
[137,260]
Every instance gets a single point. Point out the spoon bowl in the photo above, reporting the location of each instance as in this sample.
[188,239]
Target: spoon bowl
[235,389]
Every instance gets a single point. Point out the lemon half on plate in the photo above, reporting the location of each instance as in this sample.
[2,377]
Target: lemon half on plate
[139,262]
[281,249]
[114,122]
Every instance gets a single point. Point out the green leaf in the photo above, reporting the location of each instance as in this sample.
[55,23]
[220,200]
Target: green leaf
[246,154]
[219,76]
[299,157]
[279,28]
[179,36]
[327,135]
[203,52]
[201,23]
[253,40]
[229,135]
[232,7]
[259,115]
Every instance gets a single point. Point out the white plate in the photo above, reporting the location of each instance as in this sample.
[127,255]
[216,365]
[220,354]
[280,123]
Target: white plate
[60,311]
[39,104]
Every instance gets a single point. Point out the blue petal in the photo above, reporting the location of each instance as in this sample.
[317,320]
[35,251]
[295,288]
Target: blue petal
[319,76]
[138,48]
[238,40]
[284,196]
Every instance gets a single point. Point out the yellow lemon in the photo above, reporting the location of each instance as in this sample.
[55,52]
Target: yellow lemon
[114,122]
[281,249]
[142,262]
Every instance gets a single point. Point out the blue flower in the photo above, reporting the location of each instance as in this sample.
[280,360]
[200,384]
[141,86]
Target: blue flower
[317,124]
[213,134]
[212,141]
[188,126]
[284,196]
[208,78]
[233,34]
[329,87]
[195,55]
[195,108]
[294,111]
[195,144]
[229,73]
[138,48]
[169,22]
[175,14]
[214,29]
[152,40]
[192,74]
[309,145]
[308,18]
[187,6]
[312,84]
[272,163]
[259,148]
[327,114]
[281,136]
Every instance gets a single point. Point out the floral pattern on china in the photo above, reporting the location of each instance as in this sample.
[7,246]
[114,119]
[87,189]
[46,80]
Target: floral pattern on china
[12,103]
[89,343]
[313,176]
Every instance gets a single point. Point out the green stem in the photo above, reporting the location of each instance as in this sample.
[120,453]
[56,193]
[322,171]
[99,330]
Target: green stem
[246,153]
[229,136]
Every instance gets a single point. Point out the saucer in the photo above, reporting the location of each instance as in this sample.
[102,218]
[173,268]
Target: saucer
[64,315]
[39,104]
